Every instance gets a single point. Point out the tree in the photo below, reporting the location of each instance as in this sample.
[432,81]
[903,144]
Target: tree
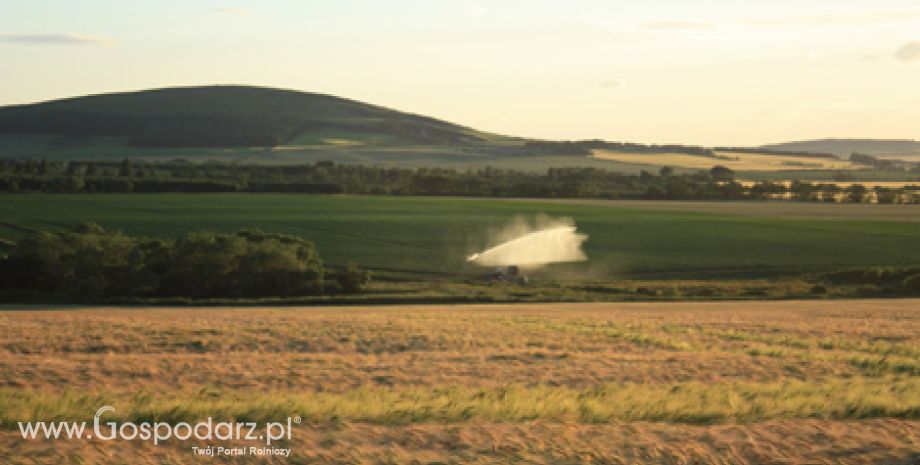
[9,185]
[666,171]
[245,264]
[654,192]
[856,193]
[863,159]
[802,190]
[89,262]
[352,279]
[888,196]
[721,173]
[125,169]
[677,189]
[84,262]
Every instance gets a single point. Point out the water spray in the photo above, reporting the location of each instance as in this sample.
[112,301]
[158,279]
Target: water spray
[559,242]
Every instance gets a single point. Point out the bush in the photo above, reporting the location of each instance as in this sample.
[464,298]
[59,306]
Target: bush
[86,261]
[89,262]
[244,264]
[352,279]
[721,173]
[912,283]
[876,276]
[889,279]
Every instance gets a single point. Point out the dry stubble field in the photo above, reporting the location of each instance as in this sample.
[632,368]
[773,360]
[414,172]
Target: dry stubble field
[834,382]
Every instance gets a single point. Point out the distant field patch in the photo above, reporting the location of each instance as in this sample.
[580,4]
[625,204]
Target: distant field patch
[737,161]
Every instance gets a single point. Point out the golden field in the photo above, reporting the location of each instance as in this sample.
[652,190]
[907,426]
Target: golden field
[738,161]
[789,382]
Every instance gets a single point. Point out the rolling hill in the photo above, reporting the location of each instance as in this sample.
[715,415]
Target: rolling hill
[882,148]
[259,125]
[221,116]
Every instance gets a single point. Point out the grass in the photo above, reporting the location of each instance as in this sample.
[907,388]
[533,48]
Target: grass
[430,237]
[690,402]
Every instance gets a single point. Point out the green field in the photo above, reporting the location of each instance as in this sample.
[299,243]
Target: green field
[432,236]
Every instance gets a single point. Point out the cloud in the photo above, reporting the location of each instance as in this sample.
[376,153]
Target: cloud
[53,39]
[676,26]
[231,11]
[909,51]
[612,84]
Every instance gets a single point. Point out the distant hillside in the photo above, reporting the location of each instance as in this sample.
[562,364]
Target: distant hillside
[221,116]
[844,147]
[266,126]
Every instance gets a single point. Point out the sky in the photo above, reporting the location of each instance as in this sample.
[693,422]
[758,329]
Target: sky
[714,72]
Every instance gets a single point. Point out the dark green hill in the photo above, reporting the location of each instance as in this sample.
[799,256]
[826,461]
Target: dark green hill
[221,116]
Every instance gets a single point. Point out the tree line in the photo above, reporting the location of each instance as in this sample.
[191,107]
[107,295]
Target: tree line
[88,263]
[326,177]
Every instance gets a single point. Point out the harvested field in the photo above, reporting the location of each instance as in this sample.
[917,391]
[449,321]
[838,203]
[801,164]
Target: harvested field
[677,383]
[738,161]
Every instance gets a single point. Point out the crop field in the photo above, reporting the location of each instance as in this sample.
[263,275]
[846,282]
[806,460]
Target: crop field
[346,147]
[738,161]
[432,236]
[795,382]
[828,176]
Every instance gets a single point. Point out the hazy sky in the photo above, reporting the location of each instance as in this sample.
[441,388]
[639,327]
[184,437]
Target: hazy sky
[704,72]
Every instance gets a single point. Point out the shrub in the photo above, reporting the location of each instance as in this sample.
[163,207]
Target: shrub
[89,262]
[912,283]
[352,279]
[86,261]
